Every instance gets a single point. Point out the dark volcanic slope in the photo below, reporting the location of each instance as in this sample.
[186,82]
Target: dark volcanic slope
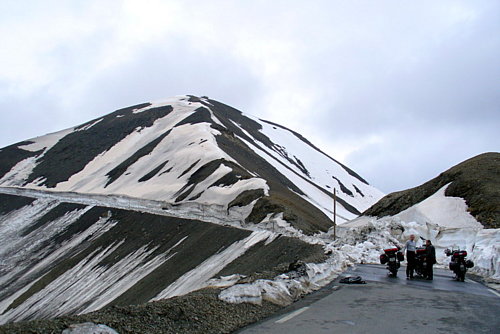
[477,180]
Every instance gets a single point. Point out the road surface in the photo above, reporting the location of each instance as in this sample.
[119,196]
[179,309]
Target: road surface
[390,305]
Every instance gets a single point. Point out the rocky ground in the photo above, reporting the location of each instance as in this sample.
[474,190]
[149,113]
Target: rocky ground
[198,312]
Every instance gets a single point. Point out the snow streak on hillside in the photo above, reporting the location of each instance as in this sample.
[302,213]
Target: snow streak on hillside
[60,258]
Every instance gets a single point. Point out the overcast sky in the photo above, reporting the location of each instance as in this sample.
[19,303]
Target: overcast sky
[397,90]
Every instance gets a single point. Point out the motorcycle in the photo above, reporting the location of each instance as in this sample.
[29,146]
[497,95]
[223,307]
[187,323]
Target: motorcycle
[393,258]
[458,263]
[421,262]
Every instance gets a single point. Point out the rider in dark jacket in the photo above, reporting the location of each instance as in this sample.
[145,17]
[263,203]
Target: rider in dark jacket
[431,258]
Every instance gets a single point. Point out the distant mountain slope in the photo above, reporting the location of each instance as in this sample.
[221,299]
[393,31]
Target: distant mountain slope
[477,180]
[193,150]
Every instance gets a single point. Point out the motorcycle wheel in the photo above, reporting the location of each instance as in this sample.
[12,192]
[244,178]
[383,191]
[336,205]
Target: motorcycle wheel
[462,276]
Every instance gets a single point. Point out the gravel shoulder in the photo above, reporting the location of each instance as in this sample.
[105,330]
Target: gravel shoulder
[198,312]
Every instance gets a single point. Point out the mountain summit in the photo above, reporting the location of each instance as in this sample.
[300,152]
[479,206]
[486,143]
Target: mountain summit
[193,150]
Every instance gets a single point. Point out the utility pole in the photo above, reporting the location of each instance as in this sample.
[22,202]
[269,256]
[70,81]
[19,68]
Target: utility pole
[334,214]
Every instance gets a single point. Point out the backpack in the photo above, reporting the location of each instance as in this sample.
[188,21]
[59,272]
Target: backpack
[352,280]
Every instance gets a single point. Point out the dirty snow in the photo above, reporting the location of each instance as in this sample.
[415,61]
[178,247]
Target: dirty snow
[88,328]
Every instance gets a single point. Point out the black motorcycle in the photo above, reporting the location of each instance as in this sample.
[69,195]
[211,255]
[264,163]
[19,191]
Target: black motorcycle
[458,263]
[393,258]
[421,262]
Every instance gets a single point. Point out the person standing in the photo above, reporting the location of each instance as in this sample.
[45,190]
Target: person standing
[431,258]
[411,247]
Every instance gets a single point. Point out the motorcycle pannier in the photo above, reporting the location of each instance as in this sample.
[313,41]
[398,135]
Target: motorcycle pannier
[401,257]
[383,259]
[453,265]
[469,264]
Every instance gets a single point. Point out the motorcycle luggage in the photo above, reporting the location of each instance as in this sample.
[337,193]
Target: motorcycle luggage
[421,251]
[391,250]
[401,257]
[352,280]
[460,253]
[383,259]
[453,265]
[469,264]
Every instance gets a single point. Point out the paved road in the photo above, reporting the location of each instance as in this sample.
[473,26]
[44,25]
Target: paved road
[390,305]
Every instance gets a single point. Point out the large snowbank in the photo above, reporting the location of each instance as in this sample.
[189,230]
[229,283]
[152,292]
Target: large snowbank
[443,220]
[286,288]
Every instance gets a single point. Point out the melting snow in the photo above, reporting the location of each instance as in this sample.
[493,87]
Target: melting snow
[197,278]
[88,286]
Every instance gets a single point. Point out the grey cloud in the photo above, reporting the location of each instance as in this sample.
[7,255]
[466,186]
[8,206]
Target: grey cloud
[425,87]
[27,117]
[412,155]
[175,68]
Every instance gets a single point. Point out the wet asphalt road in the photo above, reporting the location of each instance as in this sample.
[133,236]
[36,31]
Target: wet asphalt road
[390,305]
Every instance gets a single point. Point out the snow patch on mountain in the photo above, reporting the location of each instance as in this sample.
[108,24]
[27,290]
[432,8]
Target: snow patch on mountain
[320,170]
[45,142]
[19,253]
[447,212]
[20,172]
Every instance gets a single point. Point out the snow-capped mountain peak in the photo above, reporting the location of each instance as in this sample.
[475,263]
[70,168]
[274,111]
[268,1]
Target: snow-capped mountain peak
[190,149]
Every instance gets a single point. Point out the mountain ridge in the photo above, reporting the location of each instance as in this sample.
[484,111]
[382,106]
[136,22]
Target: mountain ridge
[477,180]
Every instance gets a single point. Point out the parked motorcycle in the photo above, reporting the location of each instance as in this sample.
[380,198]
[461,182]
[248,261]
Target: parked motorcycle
[458,263]
[393,258]
[421,262]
